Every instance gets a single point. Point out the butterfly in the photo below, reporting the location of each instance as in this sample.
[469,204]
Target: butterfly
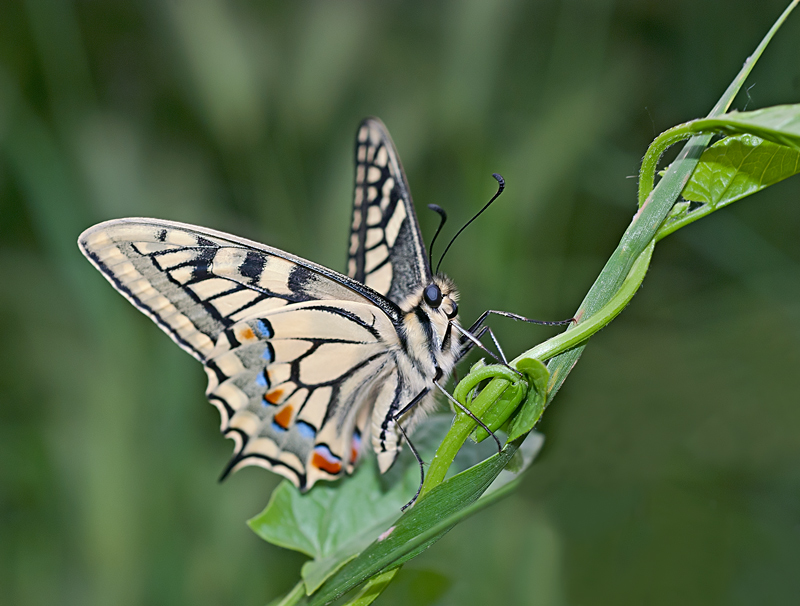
[304,364]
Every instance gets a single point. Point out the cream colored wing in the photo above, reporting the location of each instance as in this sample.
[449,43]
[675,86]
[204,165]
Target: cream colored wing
[295,386]
[386,249]
[292,349]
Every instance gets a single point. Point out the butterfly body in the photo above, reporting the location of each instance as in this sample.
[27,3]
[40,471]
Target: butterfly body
[430,348]
[304,363]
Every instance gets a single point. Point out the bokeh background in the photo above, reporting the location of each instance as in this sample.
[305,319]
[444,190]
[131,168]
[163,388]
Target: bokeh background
[671,467]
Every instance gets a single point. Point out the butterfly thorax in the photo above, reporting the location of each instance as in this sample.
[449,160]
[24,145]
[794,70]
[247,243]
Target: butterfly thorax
[430,340]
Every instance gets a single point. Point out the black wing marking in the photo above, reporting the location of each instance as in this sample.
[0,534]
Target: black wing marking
[386,250]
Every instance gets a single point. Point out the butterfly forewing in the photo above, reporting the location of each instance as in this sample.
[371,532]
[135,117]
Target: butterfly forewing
[292,350]
[386,249]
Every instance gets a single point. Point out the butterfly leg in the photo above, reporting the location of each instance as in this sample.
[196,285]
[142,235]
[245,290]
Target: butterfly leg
[396,418]
[497,345]
[471,340]
[421,468]
[414,451]
[507,314]
[418,398]
[471,336]
[467,343]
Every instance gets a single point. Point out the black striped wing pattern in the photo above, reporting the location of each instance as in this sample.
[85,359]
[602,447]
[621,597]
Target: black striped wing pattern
[295,353]
[386,250]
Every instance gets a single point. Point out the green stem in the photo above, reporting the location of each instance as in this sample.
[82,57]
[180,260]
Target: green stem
[625,270]
[647,172]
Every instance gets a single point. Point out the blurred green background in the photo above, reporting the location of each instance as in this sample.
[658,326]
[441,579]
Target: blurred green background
[671,468]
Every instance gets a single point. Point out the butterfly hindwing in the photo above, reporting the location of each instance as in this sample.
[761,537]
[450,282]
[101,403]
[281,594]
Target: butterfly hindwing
[293,350]
[386,249]
[294,385]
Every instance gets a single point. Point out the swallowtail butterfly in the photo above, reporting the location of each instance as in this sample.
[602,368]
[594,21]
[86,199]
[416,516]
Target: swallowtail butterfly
[303,363]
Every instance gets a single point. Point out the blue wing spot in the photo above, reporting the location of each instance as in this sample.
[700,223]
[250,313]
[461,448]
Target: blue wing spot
[261,379]
[264,329]
[306,430]
[278,428]
[269,353]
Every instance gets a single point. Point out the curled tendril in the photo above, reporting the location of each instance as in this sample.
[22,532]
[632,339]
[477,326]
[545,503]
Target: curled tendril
[506,400]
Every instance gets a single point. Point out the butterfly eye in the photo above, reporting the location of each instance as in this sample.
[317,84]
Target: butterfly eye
[432,296]
[453,310]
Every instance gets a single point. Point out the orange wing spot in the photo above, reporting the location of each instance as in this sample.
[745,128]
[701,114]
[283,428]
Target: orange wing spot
[274,396]
[355,447]
[246,334]
[319,461]
[284,416]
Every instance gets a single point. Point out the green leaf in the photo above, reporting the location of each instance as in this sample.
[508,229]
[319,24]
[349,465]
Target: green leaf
[728,171]
[334,521]
[516,466]
[432,516]
[779,124]
[419,587]
[739,166]
[372,589]
[655,205]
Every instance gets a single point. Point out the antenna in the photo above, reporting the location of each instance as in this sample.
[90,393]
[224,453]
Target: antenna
[442,218]
[501,184]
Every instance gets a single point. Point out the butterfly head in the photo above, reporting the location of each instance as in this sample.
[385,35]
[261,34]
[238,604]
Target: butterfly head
[430,313]
[439,298]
